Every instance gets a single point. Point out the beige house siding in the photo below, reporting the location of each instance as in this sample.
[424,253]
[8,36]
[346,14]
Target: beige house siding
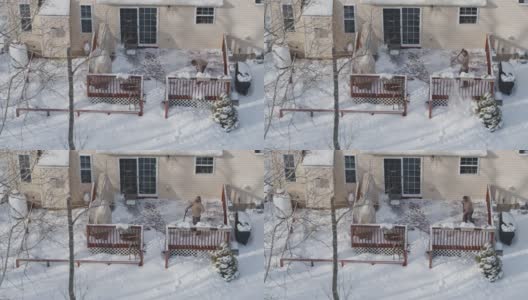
[439,25]
[243,170]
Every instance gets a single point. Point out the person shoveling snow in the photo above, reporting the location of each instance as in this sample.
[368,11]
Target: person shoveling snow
[467,207]
[197,209]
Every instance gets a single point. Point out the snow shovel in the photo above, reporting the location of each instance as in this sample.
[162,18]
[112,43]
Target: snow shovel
[185,214]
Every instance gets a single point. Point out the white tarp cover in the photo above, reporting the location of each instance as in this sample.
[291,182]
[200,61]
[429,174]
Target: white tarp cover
[54,158]
[319,8]
[209,3]
[473,3]
[55,8]
[319,158]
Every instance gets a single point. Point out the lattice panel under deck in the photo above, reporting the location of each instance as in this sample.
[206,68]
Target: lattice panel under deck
[459,253]
[382,251]
[117,251]
[200,104]
[189,252]
[121,101]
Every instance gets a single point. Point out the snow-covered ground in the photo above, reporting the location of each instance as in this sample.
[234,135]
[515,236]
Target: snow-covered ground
[452,127]
[450,277]
[186,277]
[186,128]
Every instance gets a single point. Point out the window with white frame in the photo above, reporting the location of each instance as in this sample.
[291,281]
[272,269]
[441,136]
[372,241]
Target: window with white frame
[468,15]
[469,165]
[86,18]
[289,167]
[25,17]
[86,168]
[25,168]
[204,165]
[205,15]
[287,14]
[350,169]
[525,2]
[350,18]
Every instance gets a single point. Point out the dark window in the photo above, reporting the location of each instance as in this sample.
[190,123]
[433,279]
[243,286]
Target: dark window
[410,18]
[148,23]
[469,165]
[468,15]
[41,2]
[289,167]
[86,168]
[287,14]
[523,1]
[147,176]
[349,17]
[350,169]
[257,151]
[411,176]
[86,18]
[25,17]
[204,165]
[205,15]
[25,168]
[259,1]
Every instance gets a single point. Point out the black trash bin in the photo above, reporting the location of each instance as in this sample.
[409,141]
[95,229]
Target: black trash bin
[242,236]
[506,236]
[242,79]
[505,86]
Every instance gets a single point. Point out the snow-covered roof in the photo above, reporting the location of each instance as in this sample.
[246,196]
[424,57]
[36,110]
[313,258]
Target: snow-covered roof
[472,153]
[319,8]
[319,158]
[477,3]
[213,3]
[54,158]
[214,153]
[55,8]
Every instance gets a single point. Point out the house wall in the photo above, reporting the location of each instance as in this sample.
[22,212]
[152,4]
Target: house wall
[240,19]
[439,25]
[243,170]
[506,171]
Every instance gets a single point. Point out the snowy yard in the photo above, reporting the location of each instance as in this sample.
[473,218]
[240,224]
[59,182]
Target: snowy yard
[452,127]
[450,277]
[187,277]
[186,128]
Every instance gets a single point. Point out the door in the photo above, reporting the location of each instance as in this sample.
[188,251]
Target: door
[392,26]
[128,176]
[129,26]
[412,176]
[393,176]
[403,176]
[401,26]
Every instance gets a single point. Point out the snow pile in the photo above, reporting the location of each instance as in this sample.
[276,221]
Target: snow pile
[225,113]
[466,225]
[19,55]
[55,8]
[54,158]
[282,204]
[319,8]
[385,76]
[508,227]
[364,64]
[489,263]
[243,77]
[225,263]
[122,227]
[122,76]
[508,77]
[243,227]
[364,212]
[319,158]
[489,112]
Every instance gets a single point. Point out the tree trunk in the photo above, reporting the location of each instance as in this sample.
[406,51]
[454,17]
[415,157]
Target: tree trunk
[71,279]
[70,96]
[336,100]
[334,248]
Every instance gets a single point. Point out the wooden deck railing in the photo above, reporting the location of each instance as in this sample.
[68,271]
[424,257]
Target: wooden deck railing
[441,89]
[380,89]
[111,236]
[118,89]
[376,236]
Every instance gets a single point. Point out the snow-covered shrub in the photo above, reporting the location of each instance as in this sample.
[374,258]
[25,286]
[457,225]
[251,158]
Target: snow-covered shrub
[225,114]
[489,263]
[225,262]
[489,112]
